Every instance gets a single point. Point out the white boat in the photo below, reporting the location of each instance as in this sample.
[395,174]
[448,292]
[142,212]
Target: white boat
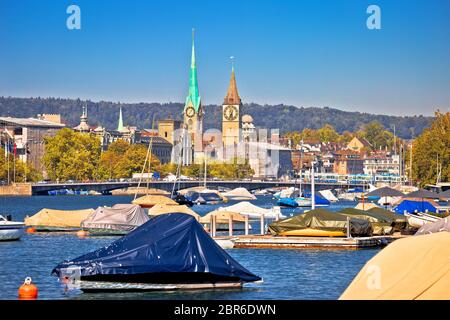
[10,230]
[303,202]
[417,221]
[328,194]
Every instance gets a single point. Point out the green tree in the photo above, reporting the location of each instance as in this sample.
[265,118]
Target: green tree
[72,155]
[431,152]
[133,160]
[18,170]
[328,134]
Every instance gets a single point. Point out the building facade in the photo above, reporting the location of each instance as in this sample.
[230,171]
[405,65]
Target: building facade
[27,136]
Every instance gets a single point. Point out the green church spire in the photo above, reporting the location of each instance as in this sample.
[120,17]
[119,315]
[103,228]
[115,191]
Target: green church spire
[120,126]
[194,97]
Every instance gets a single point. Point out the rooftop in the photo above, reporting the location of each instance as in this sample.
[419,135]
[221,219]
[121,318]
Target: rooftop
[30,122]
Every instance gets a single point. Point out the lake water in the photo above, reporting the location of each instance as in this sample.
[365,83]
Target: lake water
[287,274]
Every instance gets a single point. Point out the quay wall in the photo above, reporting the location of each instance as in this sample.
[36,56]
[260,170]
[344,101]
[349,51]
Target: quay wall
[16,189]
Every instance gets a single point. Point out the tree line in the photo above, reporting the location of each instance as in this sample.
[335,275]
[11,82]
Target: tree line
[283,117]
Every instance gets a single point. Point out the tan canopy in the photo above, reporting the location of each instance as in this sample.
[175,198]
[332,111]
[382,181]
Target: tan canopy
[366,206]
[413,268]
[149,201]
[222,217]
[58,218]
[163,209]
[239,194]
[140,190]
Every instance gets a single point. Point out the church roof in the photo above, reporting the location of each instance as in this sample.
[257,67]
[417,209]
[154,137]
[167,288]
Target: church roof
[232,96]
[193,97]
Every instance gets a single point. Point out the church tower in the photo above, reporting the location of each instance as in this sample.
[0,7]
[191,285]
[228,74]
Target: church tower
[230,114]
[193,110]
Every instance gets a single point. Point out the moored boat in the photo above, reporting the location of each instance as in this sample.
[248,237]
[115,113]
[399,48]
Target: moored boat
[10,230]
[169,252]
[417,221]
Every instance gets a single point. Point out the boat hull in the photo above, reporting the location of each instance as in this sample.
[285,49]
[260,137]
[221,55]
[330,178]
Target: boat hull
[313,233]
[11,233]
[417,221]
[102,286]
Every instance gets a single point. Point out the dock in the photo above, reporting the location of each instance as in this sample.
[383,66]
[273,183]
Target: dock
[279,242]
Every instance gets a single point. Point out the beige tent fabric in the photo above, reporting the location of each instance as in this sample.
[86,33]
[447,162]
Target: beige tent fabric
[163,209]
[149,201]
[239,194]
[197,189]
[413,268]
[246,208]
[366,206]
[222,217]
[141,190]
[58,218]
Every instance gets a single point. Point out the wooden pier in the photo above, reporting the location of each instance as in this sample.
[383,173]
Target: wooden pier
[278,242]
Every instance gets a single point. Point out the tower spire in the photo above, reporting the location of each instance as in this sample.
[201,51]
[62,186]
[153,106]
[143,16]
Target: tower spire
[232,97]
[120,125]
[193,97]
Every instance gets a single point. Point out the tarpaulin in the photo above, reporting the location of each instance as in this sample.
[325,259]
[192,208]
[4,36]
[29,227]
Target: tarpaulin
[412,206]
[172,247]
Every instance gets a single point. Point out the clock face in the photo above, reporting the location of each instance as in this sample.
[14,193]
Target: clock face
[190,112]
[230,113]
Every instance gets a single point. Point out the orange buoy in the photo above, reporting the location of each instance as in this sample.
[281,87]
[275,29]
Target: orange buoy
[28,290]
[82,233]
[31,230]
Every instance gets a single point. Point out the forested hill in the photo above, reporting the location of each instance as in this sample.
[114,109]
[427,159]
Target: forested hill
[286,118]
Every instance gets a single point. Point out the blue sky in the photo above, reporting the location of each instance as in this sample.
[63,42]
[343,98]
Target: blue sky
[305,53]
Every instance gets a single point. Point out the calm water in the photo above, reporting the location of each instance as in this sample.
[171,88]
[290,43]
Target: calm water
[287,274]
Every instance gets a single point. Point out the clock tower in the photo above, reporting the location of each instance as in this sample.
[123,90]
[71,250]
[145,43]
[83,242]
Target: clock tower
[193,110]
[231,114]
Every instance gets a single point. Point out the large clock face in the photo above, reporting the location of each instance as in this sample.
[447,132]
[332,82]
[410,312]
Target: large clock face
[230,113]
[190,112]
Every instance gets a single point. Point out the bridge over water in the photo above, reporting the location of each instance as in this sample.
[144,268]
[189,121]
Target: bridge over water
[107,187]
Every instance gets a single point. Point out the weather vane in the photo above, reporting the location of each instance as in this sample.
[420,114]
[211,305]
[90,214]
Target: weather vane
[232,62]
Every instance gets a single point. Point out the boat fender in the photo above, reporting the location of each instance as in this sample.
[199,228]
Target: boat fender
[28,290]
[31,230]
[82,233]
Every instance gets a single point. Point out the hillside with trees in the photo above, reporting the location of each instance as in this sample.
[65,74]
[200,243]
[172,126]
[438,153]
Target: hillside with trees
[284,117]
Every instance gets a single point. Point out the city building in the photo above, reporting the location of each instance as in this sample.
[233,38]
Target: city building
[53,117]
[348,162]
[26,136]
[358,144]
[130,134]
[169,129]
[83,126]
[382,164]
[160,147]
[193,114]
[230,114]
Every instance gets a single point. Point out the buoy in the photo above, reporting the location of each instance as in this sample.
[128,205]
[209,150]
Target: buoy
[82,233]
[28,290]
[31,230]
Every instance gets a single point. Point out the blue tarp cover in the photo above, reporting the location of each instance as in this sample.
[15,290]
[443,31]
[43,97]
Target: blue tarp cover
[173,242]
[412,206]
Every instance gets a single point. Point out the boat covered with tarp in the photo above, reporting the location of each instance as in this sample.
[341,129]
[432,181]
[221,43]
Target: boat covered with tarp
[413,206]
[203,197]
[432,227]
[119,219]
[381,224]
[329,195]
[412,268]
[169,252]
[321,223]
[163,209]
[223,220]
[246,208]
[400,222]
[48,220]
[150,200]
[239,194]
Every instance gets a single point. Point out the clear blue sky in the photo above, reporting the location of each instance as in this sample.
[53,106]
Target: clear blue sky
[305,53]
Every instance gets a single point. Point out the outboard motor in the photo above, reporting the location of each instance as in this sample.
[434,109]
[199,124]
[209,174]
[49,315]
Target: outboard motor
[8,217]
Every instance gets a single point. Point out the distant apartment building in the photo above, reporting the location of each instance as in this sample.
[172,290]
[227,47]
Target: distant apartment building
[358,144]
[348,162]
[382,164]
[160,147]
[26,136]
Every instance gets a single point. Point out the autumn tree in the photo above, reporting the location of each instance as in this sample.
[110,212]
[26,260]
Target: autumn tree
[431,152]
[71,155]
